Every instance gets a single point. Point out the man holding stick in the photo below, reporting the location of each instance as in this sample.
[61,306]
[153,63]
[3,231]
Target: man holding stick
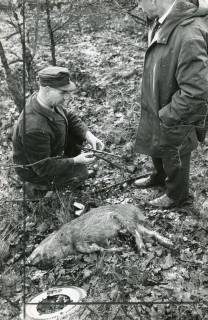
[46,144]
[174,94]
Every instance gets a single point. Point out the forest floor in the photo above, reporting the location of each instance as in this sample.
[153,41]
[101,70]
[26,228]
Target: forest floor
[173,283]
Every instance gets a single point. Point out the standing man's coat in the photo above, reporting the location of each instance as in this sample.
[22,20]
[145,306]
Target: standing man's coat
[175,83]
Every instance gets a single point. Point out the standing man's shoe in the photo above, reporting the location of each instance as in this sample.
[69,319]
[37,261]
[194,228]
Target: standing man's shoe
[163,202]
[150,181]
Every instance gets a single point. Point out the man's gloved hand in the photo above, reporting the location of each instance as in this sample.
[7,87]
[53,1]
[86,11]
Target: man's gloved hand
[84,158]
[96,143]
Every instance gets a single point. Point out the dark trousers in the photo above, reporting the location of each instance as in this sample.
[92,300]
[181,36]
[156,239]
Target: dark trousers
[174,173]
[78,172]
[71,177]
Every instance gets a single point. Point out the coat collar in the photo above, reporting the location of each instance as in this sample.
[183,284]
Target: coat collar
[181,12]
[45,112]
[164,16]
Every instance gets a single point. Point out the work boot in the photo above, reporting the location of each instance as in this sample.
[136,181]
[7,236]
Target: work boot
[150,181]
[163,202]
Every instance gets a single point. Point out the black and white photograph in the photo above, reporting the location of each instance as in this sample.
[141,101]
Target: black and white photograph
[103,160]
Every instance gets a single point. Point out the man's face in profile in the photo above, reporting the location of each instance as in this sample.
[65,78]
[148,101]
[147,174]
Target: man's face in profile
[149,7]
[56,96]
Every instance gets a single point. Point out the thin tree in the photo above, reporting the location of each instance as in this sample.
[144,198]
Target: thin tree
[14,85]
[51,34]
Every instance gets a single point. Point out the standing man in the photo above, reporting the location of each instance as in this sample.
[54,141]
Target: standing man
[174,94]
[46,143]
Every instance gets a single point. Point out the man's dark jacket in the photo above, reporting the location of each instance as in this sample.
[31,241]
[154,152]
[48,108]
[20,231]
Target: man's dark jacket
[46,134]
[174,97]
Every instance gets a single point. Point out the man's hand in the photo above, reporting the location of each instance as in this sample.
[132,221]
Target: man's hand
[96,143]
[84,158]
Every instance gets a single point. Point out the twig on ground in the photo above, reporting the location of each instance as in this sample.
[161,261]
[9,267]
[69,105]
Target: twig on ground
[195,262]
[93,312]
[13,304]
[126,313]
[116,313]
[60,200]
[128,180]
[138,313]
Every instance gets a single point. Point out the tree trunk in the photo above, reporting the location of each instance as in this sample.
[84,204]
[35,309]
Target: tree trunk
[14,85]
[51,34]
[31,70]
[29,62]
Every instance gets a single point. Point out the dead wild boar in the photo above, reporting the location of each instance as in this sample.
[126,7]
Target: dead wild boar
[92,231]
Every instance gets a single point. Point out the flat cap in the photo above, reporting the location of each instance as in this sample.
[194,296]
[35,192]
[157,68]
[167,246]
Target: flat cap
[56,77]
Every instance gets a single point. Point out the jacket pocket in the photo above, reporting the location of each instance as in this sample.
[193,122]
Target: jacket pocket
[174,136]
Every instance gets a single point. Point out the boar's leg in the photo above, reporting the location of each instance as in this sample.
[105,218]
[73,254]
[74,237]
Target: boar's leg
[119,249]
[85,247]
[139,242]
[155,235]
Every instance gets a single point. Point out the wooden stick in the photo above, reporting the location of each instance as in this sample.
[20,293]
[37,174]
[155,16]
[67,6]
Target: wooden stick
[101,152]
[128,180]
[113,164]
[27,165]
[97,154]
[23,200]
[59,157]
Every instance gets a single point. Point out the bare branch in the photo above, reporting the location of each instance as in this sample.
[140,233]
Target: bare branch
[19,26]
[135,17]
[37,18]
[15,61]
[14,54]
[11,35]
[11,23]
[14,87]
[60,38]
[60,26]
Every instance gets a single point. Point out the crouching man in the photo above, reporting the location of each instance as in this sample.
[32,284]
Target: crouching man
[46,141]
